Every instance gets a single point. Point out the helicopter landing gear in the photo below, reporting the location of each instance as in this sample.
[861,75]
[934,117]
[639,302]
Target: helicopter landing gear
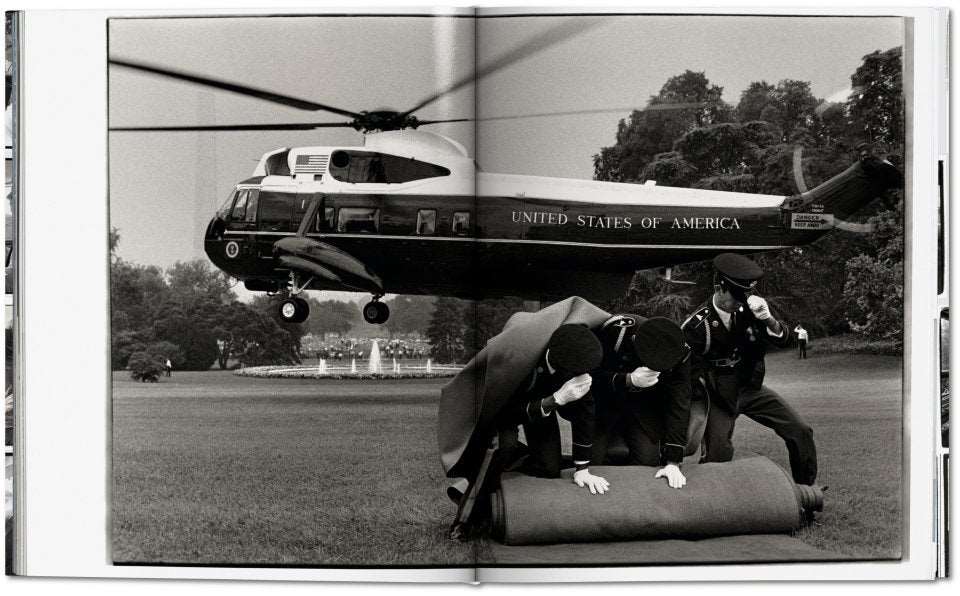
[376,312]
[294,310]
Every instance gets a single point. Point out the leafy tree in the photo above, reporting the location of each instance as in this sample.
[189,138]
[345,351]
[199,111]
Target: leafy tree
[670,169]
[410,314]
[125,343]
[874,285]
[685,102]
[269,306]
[189,326]
[447,332]
[754,100]
[332,316]
[251,337]
[113,241]
[876,105]
[135,291]
[198,280]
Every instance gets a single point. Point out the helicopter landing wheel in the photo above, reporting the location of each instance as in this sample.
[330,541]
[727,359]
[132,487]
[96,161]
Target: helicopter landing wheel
[376,312]
[294,310]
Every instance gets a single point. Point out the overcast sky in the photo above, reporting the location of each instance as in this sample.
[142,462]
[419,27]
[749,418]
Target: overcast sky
[165,186]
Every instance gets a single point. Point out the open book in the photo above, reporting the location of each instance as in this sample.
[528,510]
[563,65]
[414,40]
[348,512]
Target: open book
[477,295]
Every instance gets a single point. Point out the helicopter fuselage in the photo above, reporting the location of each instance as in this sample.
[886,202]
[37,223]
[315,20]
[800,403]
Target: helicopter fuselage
[409,214]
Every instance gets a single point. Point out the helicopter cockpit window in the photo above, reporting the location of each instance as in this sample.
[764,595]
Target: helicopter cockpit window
[426,222]
[461,223]
[224,209]
[359,219]
[253,198]
[356,167]
[240,206]
[276,212]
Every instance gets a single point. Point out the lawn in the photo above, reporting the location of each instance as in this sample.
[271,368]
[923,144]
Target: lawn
[210,468]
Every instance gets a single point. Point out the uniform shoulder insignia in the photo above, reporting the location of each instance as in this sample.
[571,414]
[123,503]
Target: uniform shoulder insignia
[696,319]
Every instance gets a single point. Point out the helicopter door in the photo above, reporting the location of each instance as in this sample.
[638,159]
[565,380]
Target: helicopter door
[325,219]
[300,208]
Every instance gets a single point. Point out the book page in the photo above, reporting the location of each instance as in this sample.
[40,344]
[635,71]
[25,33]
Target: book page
[631,146]
[200,435]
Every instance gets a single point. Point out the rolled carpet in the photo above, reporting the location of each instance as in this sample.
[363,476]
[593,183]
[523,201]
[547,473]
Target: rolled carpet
[745,496]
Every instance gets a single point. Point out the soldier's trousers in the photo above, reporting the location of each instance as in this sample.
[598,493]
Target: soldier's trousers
[766,407]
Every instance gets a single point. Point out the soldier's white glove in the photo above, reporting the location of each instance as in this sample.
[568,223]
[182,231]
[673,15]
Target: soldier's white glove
[596,484]
[643,377]
[573,389]
[759,307]
[675,478]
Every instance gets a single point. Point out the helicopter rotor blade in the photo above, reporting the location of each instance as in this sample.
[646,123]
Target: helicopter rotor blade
[233,127]
[652,108]
[423,122]
[270,96]
[551,37]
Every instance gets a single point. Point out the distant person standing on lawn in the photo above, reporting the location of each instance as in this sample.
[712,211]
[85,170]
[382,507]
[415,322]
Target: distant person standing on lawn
[168,366]
[802,337]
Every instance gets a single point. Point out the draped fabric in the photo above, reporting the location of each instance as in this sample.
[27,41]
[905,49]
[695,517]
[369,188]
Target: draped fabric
[469,403]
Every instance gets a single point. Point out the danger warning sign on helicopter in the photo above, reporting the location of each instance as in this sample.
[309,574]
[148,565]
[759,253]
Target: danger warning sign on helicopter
[811,221]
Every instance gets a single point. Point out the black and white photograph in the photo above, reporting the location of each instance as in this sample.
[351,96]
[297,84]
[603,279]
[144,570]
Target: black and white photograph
[488,290]
[8,304]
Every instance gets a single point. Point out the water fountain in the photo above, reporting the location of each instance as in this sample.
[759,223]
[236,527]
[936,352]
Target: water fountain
[335,371]
[373,366]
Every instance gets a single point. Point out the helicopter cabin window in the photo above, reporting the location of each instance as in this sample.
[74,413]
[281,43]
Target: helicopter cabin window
[277,212]
[461,223]
[426,222]
[359,220]
[356,167]
[325,219]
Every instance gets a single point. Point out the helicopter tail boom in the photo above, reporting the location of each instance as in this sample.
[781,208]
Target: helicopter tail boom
[849,190]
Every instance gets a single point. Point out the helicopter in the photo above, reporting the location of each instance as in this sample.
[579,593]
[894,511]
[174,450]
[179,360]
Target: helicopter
[409,212]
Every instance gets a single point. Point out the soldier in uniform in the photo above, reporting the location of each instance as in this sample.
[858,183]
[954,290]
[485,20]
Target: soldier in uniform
[728,337]
[642,393]
[558,385]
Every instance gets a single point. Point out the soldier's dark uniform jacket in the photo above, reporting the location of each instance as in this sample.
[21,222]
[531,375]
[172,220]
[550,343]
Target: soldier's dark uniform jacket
[541,430]
[729,359]
[658,414]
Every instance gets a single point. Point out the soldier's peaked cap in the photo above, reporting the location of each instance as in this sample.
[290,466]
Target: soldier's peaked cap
[574,349]
[737,269]
[659,343]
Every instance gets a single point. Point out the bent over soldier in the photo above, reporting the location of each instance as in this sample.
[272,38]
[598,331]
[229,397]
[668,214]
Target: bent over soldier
[641,392]
[728,337]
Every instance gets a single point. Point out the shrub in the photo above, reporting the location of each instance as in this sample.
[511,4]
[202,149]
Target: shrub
[145,367]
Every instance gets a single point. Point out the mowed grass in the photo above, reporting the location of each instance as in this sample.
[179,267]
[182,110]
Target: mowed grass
[210,468]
